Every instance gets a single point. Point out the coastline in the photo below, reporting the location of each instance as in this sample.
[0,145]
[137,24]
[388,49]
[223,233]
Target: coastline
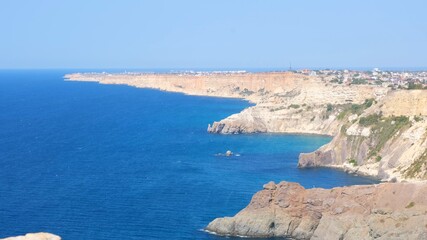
[301,106]
[285,103]
[163,90]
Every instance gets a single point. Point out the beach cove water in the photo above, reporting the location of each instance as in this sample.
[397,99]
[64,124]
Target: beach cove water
[90,161]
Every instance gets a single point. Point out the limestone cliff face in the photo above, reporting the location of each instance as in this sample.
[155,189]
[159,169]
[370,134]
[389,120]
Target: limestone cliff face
[301,106]
[407,103]
[285,102]
[272,87]
[301,119]
[387,146]
[250,86]
[35,236]
[380,143]
[384,211]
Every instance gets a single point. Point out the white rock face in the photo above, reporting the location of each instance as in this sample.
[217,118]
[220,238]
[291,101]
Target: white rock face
[356,130]
[35,236]
[400,156]
[352,117]
[265,119]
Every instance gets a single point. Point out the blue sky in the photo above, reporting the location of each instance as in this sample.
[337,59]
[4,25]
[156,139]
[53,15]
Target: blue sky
[212,34]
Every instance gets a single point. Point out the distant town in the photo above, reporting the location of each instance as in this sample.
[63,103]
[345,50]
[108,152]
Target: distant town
[393,79]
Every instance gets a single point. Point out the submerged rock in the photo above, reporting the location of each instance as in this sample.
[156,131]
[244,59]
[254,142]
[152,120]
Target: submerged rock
[383,211]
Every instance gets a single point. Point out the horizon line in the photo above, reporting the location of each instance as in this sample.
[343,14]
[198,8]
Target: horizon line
[366,68]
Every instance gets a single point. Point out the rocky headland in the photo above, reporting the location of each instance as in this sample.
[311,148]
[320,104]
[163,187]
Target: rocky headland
[383,211]
[35,236]
[376,131]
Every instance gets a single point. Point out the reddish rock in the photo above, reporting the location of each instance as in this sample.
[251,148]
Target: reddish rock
[383,211]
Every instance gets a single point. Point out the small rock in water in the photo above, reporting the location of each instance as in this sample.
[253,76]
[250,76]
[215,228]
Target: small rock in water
[228,153]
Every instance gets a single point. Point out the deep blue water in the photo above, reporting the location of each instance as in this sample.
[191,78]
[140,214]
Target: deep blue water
[90,161]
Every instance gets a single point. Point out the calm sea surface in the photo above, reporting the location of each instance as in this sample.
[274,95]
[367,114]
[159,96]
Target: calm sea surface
[90,161]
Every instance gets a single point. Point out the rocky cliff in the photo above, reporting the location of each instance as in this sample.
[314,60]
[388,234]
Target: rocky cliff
[376,131]
[250,86]
[292,118]
[383,211]
[380,140]
[303,106]
[35,236]
[285,102]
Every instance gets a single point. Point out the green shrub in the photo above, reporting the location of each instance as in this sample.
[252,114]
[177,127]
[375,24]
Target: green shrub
[354,108]
[412,85]
[368,102]
[341,115]
[370,120]
[417,118]
[417,167]
[294,106]
[411,204]
[359,81]
[352,161]
[246,92]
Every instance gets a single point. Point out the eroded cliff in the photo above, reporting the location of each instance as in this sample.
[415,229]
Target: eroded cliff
[379,140]
[383,211]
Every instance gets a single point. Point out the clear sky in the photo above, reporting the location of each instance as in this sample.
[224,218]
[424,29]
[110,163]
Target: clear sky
[212,34]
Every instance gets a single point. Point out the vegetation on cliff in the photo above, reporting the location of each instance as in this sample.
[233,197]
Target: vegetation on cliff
[418,168]
[385,129]
[354,108]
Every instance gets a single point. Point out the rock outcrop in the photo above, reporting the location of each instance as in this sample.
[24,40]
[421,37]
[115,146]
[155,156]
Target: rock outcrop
[35,236]
[383,211]
[296,119]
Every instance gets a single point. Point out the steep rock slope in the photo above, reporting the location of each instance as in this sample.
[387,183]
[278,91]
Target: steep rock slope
[374,141]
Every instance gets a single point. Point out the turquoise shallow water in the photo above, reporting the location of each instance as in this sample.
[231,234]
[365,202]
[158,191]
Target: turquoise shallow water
[91,161]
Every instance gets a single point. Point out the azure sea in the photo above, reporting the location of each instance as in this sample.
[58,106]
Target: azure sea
[89,161]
